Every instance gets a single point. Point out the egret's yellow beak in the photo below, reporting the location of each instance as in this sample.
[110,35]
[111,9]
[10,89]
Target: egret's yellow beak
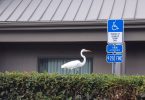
[88,51]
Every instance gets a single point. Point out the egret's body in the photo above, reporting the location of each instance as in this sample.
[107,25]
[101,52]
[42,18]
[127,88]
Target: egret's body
[72,64]
[76,63]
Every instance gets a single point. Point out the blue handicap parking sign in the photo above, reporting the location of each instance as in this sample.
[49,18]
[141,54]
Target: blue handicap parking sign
[115,25]
[119,48]
[118,58]
[110,58]
[111,48]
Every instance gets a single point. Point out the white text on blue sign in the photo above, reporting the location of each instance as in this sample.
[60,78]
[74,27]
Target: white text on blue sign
[111,58]
[111,48]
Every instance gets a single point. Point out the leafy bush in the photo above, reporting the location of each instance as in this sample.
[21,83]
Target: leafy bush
[44,86]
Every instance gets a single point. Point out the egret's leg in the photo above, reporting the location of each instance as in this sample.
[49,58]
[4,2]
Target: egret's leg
[63,70]
[77,71]
[66,70]
[71,71]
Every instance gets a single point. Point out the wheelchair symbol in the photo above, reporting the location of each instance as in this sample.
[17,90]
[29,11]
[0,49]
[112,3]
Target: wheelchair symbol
[114,26]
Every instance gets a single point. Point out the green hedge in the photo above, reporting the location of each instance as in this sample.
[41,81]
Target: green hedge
[43,86]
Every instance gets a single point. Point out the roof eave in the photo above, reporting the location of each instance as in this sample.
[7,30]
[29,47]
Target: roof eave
[66,25]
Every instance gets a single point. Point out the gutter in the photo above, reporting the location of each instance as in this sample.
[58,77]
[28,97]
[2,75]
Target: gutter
[67,25]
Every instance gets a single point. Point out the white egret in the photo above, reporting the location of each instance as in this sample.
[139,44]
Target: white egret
[76,63]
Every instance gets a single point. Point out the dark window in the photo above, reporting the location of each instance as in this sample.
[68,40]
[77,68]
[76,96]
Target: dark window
[53,65]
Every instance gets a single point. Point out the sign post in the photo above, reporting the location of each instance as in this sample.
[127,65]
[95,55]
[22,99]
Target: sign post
[115,40]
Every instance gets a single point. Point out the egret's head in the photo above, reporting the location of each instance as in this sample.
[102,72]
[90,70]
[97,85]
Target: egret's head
[85,50]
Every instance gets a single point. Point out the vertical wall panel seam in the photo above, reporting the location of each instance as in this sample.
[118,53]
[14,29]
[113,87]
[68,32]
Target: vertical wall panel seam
[124,9]
[56,10]
[89,10]
[35,10]
[66,10]
[45,10]
[14,10]
[112,9]
[135,9]
[7,7]
[78,10]
[100,9]
[24,10]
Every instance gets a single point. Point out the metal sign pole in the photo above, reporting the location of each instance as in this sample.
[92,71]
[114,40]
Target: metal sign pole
[113,68]
[124,57]
[114,64]
[117,65]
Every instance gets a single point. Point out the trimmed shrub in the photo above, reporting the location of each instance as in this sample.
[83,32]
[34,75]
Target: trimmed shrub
[44,86]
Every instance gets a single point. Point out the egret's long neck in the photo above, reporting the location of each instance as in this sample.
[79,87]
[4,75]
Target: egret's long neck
[84,58]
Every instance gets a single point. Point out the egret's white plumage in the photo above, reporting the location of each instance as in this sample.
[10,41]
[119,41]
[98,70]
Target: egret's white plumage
[76,63]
